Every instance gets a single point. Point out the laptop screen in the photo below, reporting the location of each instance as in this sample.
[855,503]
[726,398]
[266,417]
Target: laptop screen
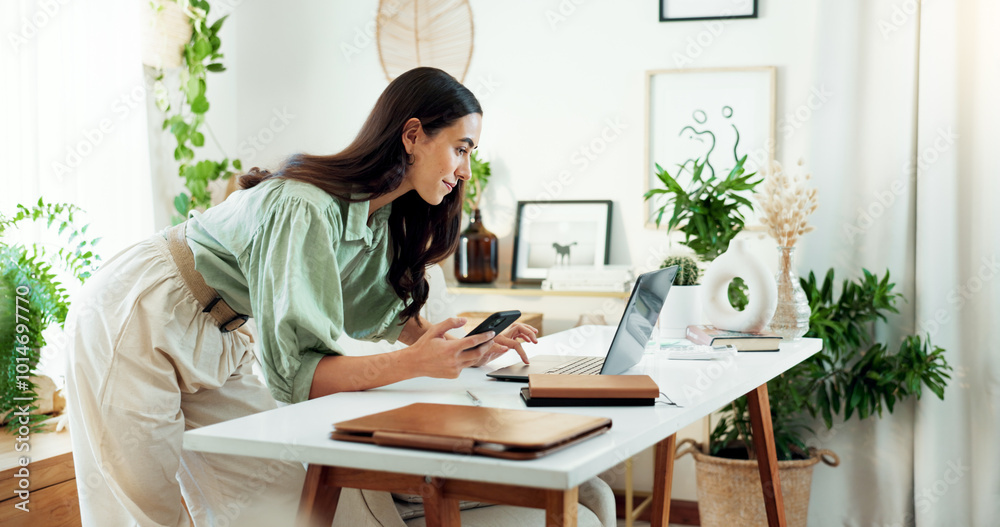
[637,323]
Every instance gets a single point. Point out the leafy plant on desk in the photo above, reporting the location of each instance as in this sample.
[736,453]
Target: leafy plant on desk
[854,374]
[709,212]
[31,294]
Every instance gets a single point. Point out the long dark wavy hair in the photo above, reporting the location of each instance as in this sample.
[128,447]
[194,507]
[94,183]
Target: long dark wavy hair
[374,165]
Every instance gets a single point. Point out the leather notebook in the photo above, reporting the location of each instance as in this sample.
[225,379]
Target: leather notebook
[479,430]
[590,390]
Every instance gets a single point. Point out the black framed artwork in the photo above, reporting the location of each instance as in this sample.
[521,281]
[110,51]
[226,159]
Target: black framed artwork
[681,10]
[559,233]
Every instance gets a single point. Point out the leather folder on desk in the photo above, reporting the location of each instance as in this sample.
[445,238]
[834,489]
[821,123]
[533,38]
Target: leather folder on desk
[479,430]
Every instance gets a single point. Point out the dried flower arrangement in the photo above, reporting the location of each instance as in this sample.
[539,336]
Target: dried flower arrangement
[785,203]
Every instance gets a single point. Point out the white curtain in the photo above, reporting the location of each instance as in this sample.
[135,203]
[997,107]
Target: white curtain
[907,185]
[956,460]
[74,125]
[862,143]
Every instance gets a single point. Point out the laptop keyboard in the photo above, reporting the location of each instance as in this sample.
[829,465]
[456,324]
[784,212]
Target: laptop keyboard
[581,366]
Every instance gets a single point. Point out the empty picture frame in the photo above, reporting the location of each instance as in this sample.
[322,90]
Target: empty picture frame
[680,10]
[717,113]
[551,233]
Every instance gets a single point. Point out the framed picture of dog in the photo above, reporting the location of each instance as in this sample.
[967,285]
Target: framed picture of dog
[559,233]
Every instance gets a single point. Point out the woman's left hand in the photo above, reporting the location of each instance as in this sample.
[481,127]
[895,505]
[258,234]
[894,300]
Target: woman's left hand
[508,339]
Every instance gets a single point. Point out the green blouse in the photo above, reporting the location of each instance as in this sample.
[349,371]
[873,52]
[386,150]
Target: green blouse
[306,266]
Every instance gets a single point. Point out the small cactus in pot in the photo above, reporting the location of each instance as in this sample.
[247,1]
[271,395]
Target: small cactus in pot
[683,304]
[687,269]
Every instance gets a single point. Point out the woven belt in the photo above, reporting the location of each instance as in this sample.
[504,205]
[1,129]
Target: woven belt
[208,297]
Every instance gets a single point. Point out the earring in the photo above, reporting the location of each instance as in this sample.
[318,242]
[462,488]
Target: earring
[409,159]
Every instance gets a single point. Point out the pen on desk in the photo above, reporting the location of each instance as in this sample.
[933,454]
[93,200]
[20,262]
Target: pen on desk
[475,400]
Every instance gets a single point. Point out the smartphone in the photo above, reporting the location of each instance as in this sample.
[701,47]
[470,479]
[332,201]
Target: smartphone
[496,322]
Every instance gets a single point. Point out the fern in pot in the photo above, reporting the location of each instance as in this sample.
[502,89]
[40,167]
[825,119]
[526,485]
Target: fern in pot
[682,307]
[32,298]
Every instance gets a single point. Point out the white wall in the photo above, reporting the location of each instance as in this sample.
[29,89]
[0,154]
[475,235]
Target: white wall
[551,75]
[555,78]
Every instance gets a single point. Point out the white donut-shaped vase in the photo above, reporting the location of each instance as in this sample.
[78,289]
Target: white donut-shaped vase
[737,261]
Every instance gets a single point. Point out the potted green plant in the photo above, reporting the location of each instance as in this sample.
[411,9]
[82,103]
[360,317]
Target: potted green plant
[478,179]
[477,256]
[682,306]
[198,56]
[709,212]
[854,374]
[32,297]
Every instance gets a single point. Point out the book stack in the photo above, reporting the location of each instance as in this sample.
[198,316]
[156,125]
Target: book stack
[615,278]
[712,336]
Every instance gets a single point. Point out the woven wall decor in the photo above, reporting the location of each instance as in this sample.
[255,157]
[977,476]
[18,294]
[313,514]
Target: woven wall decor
[435,33]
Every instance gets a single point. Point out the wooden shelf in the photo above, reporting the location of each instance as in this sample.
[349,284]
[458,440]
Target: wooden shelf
[43,446]
[508,288]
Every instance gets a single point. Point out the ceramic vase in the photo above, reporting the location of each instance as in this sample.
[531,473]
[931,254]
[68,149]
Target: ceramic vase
[738,261]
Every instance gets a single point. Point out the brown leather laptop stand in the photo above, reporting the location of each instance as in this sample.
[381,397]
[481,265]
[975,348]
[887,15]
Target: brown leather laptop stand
[594,386]
[590,390]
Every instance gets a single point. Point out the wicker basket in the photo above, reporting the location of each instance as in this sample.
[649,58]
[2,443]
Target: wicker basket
[164,35]
[729,491]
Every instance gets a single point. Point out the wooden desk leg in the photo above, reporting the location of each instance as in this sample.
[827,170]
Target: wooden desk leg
[663,476]
[767,458]
[439,510]
[629,520]
[318,504]
[560,507]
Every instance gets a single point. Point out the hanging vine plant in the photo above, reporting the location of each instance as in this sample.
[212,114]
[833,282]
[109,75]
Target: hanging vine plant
[187,118]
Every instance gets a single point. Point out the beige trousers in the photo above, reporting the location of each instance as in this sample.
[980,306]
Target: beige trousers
[145,364]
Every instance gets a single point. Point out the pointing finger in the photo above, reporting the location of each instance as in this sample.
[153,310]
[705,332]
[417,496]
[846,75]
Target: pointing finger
[516,346]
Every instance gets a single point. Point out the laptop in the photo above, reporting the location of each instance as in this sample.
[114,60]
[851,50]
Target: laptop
[628,345]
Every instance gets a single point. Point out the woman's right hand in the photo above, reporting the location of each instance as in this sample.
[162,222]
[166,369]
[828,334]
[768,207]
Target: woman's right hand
[437,355]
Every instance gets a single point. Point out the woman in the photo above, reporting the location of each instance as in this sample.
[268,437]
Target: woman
[326,245]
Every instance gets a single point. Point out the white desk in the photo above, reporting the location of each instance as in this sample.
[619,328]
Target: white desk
[301,432]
